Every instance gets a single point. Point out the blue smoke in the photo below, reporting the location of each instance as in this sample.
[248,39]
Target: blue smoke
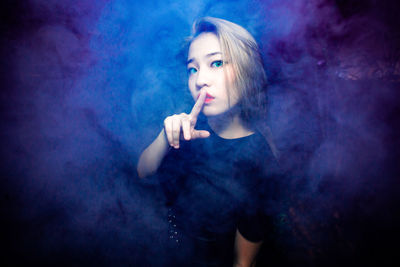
[91,82]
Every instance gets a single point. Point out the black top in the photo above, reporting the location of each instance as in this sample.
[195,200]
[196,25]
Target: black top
[217,185]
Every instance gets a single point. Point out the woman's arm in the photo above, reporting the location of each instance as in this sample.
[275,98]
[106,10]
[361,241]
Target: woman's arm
[245,251]
[152,156]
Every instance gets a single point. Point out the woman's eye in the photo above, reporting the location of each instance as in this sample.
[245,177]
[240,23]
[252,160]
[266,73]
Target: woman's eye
[191,71]
[217,64]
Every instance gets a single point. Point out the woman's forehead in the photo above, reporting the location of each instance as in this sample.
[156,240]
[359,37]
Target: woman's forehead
[202,45]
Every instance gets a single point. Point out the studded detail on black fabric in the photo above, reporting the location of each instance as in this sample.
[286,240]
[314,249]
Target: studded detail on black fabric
[173,232]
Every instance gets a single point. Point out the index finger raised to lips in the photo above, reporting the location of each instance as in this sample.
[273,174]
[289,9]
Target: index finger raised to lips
[199,104]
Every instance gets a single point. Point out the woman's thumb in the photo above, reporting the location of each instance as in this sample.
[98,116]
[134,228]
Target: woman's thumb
[200,134]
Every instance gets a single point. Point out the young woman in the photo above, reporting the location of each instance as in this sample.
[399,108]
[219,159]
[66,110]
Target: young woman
[215,169]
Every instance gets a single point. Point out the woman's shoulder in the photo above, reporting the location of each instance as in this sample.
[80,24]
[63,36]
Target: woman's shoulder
[257,145]
[259,153]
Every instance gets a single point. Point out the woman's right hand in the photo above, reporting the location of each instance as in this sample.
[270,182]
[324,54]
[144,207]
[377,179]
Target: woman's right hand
[183,124]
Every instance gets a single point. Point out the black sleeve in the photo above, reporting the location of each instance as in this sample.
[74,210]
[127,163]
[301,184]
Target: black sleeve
[254,218]
[251,226]
[251,218]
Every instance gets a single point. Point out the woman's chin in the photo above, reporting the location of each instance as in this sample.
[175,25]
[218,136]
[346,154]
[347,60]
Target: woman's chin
[212,111]
[216,115]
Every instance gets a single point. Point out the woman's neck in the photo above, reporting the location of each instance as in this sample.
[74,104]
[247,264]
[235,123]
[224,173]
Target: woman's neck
[228,126]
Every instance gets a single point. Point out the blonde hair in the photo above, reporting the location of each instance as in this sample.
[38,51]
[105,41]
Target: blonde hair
[239,49]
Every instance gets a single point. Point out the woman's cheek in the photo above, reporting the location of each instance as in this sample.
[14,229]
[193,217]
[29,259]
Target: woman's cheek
[230,74]
[190,85]
[230,85]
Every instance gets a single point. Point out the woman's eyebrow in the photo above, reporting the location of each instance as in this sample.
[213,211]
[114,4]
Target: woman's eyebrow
[190,60]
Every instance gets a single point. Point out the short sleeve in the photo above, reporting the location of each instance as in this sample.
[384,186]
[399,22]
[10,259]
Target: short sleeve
[252,226]
[250,217]
[255,212]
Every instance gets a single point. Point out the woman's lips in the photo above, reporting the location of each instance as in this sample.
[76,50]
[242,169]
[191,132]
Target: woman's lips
[209,98]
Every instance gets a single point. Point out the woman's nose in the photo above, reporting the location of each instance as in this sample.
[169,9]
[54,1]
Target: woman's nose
[203,79]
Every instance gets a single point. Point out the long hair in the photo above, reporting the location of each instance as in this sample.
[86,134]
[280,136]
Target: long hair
[239,49]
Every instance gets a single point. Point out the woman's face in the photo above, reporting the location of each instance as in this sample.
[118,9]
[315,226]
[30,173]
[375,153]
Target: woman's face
[206,70]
